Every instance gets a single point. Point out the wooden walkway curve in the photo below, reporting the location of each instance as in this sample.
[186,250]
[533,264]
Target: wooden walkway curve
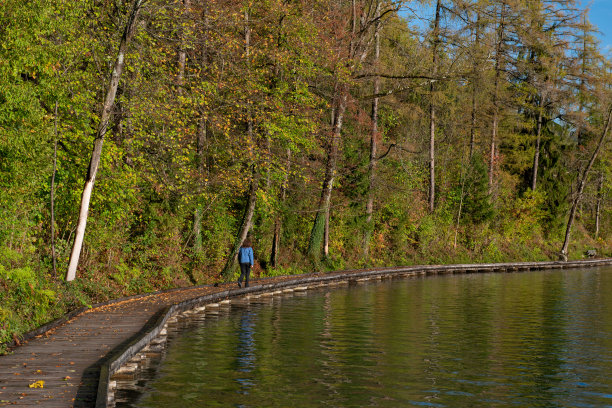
[68,358]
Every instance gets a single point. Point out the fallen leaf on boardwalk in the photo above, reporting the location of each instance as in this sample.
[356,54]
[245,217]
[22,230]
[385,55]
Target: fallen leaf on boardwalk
[37,384]
[66,378]
[38,371]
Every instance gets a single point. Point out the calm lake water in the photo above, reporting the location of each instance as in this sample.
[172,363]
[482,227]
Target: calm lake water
[534,339]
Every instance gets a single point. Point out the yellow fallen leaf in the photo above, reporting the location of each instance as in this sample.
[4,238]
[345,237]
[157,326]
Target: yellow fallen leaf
[37,384]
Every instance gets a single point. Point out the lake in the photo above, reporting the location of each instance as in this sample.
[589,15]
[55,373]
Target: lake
[532,339]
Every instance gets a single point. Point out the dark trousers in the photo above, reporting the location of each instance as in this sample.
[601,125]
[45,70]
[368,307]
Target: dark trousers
[245,271]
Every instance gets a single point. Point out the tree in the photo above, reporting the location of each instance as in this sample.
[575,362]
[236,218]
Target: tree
[582,180]
[249,211]
[477,203]
[432,108]
[352,36]
[498,59]
[374,136]
[545,46]
[99,139]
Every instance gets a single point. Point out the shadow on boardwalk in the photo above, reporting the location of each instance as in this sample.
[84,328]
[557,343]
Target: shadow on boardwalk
[68,358]
[87,391]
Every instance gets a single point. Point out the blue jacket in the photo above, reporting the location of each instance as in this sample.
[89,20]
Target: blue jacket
[245,255]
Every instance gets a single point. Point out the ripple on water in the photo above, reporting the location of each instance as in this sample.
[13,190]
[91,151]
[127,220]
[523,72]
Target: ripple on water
[538,339]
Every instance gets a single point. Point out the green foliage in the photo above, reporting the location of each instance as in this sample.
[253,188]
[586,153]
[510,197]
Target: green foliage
[426,233]
[282,271]
[131,278]
[556,181]
[25,299]
[527,217]
[477,204]
[316,240]
[178,156]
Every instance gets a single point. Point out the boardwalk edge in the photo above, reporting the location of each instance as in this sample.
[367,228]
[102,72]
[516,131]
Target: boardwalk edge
[115,361]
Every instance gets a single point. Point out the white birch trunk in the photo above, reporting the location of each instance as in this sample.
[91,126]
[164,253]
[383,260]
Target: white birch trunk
[99,141]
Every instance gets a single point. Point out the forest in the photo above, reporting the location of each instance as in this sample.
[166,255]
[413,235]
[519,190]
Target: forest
[141,141]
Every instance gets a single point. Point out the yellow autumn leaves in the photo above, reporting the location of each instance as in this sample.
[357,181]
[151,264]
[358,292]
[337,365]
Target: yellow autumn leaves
[37,384]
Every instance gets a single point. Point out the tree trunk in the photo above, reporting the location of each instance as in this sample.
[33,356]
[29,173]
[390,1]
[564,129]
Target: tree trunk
[536,154]
[278,220]
[464,173]
[202,166]
[581,184]
[275,243]
[373,142]
[202,159]
[473,122]
[581,88]
[247,219]
[245,227]
[492,151]
[53,256]
[498,49]
[182,56]
[598,205]
[432,156]
[357,52]
[459,211]
[326,234]
[197,229]
[99,140]
[317,233]
[475,83]
[432,112]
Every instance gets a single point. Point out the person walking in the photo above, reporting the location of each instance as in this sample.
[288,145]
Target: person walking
[245,258]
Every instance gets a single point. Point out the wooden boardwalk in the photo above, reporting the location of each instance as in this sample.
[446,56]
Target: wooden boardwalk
[68,358]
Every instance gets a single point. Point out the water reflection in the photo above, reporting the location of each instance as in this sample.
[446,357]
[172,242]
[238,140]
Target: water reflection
[245,351]
[537,339]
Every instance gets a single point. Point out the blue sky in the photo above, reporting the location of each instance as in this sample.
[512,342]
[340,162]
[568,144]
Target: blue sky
[601,16]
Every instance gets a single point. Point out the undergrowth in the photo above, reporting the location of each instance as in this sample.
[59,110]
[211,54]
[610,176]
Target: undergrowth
[31,295]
